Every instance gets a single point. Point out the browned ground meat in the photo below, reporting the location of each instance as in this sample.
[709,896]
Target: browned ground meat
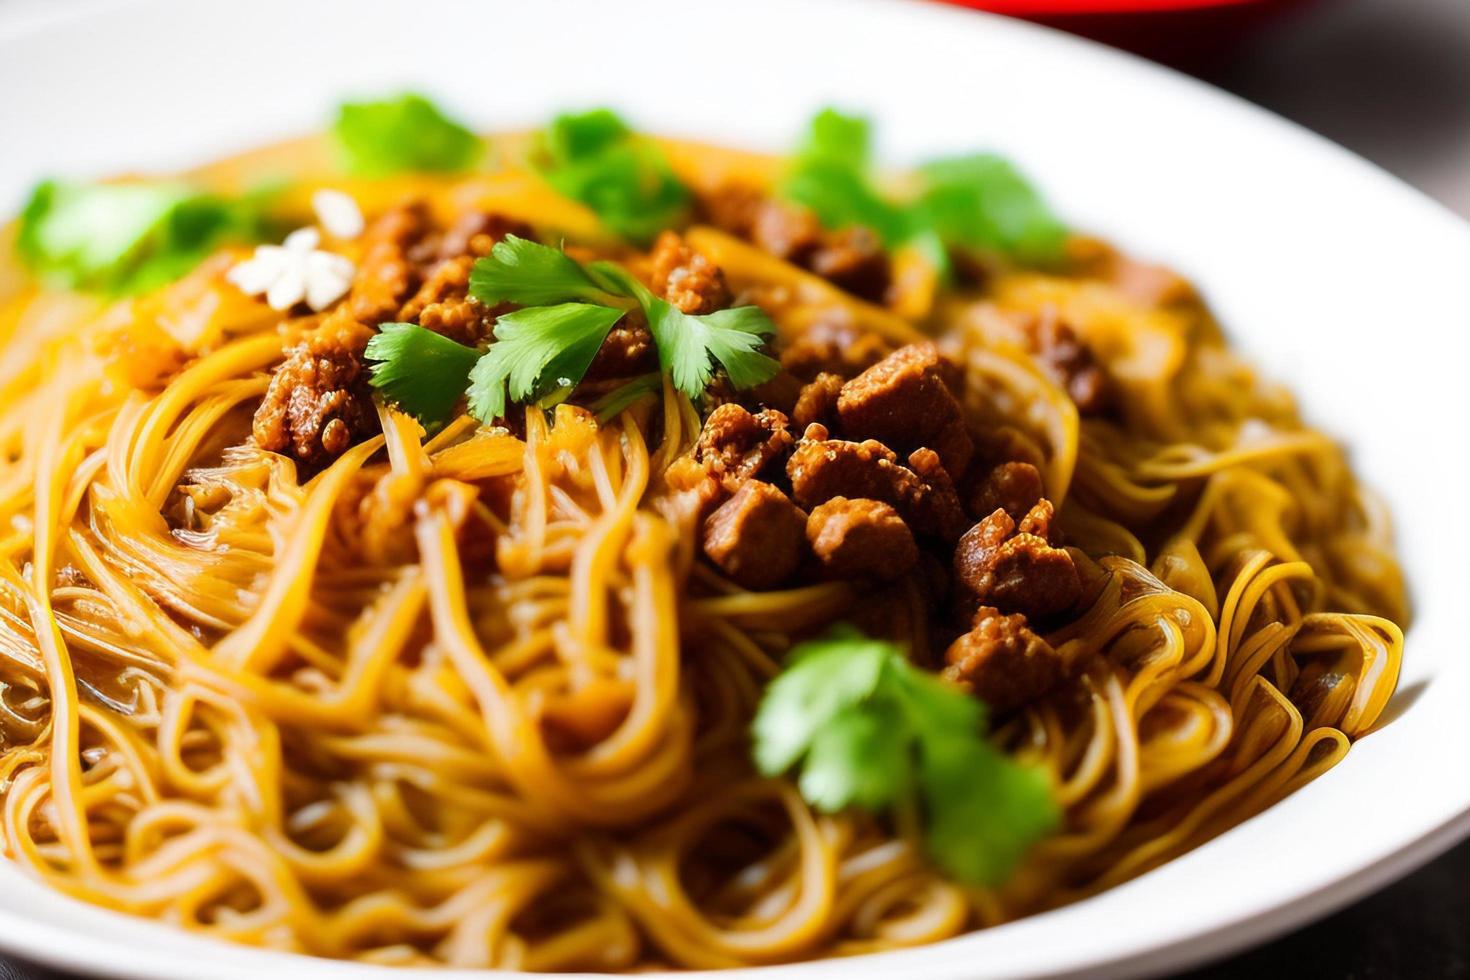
[1071,363]
[386,275]
[735,445]
[1002,662]
[442,304]
[905,402]
[756,537]
[685,277]
[1015,568]
[850,258]
[856,539]
[817,401]
[1013,487]
[822,468]
[319,403]
[475,233]
[833,348]
[626,350]
[853,259]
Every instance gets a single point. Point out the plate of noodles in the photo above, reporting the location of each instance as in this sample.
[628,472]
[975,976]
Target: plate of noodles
[596,488]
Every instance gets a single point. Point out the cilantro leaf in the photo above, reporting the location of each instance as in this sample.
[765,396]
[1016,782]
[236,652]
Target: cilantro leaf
[401,134]
[972,793]
[686,344]
[982,201]
[420,371]
[118,239]
[854,760]
[979,201]
[829,175]
[538,352]
[531,274]
[821,677]
[542,350]
[593,157]
[870,730]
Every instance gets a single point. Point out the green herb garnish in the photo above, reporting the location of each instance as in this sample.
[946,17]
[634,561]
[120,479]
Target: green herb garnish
[978,202]
[542,351]
[983,202]
[119,239]
[830,175]
[869,730]
[422,372]
[406,133]
[539,355]
[595,158]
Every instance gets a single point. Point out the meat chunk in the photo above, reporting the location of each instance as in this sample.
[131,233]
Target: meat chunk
[386,274]
[442,304]
[686,278]
[853,259]
[850,258]
[905,401]
[817,401]
[833,348]
[942,503]
[475,233]
[1015,568]
[1013,487]
[861,539]
[319,402]
[1002,662]
[735,445]
[756,537]
[822,468]
[626,350]
[1071,363]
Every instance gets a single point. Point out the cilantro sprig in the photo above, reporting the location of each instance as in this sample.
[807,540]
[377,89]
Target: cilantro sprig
[595,158]
[979,201]
[869,730]
[119,239]
[405,133]
[542,350]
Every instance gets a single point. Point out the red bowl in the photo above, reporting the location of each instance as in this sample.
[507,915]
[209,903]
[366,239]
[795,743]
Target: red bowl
[1187,33]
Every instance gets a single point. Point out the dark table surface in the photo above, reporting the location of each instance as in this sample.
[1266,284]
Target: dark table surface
[1390,80]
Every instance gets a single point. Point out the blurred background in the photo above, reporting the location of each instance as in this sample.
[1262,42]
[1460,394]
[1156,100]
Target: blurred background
[1389,80]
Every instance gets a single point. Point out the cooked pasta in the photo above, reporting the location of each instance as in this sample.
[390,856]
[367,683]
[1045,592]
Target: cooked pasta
[480,694]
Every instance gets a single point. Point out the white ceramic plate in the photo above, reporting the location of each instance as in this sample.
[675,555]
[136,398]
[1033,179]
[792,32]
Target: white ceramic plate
[1338,279]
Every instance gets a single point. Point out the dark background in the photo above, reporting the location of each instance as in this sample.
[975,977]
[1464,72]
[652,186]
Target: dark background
[1390,80]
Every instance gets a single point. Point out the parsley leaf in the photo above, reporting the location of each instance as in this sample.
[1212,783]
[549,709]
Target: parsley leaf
[118,239]
[531,274]
[870,730]
[540,353]
[420,371]
[593,157]
[982,201]
[686,345]
[404,133]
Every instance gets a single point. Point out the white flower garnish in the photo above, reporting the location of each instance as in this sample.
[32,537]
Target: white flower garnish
[337,213]
[293,271]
